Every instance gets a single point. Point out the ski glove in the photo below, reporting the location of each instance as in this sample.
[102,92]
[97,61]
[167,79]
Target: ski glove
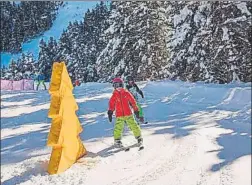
[137,114]
[110,113]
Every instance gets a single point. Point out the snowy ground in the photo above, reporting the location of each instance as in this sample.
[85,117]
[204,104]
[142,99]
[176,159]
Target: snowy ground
[197,134]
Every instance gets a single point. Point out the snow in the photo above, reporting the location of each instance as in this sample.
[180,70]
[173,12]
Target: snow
[198,19]
[116,42]
[182,16]
[220,48]
[144,58]
[180,34]
[73,10]
[141,42]
[119,67]
[242,6]
[235,20]
[197,134]
[111,29]
[225,34]
[126,21]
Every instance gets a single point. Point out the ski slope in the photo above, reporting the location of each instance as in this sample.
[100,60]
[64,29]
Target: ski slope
[197,134]
[71,11]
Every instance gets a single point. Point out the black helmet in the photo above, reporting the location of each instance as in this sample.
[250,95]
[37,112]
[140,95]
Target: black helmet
[129,78]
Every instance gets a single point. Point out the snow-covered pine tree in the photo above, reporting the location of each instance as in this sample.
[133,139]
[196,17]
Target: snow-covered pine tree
[157,32]
[64,46]
[26,66]
[79,67]
[93,42]
[153,40]
[9,32]
[230,48]
[12,71]
[3,72]
[7,12]
[14,44]
[23,21]
[111,59]
[43,57]
[210,41]
[184,29]
[66,49]
[136,41]
[74,63]
[47,56]
[81,43]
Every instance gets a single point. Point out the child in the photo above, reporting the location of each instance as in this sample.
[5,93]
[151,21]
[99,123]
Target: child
[134,89]
[120,102]
[41,79]
[76,83]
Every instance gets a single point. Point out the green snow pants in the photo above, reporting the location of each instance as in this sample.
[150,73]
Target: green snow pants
[140,110]
[39,82]
[132,124]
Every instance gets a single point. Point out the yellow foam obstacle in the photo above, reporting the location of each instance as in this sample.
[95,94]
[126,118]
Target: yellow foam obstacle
[65,128]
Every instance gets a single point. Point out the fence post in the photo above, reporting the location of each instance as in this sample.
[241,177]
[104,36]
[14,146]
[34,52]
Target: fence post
[12,85]
[23,83]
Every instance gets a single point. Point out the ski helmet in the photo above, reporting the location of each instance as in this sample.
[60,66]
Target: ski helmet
[117,82]
[130,79]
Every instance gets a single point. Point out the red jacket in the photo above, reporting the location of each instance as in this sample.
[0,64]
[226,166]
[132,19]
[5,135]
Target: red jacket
[77,82]
[121,101]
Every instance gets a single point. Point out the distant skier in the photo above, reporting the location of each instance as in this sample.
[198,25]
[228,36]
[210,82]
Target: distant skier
[40,79]
[76,83]
[121,101]
[134,89]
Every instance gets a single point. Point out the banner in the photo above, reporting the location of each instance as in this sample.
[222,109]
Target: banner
[28,84]
[6,85]
[17,85]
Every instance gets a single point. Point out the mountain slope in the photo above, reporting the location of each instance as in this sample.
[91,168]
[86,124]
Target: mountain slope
[71,11]
[192,137]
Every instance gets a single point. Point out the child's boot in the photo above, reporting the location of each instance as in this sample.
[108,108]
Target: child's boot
[118,143]
[141,119]
[139,140]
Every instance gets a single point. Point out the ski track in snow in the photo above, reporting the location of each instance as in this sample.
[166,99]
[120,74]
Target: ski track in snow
[198,134]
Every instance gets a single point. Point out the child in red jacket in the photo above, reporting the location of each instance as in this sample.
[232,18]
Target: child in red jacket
[121,101]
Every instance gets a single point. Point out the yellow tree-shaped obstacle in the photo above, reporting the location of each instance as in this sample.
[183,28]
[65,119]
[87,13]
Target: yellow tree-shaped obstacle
[65,127]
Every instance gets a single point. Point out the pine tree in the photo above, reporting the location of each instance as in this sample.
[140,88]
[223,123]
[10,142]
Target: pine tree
[22,22]
[12,72]
[95,22]
[26,66]
[65,51]
[6,24]
[136,41]
[82,42]
[194,41]
[44,62]
[229,46]
[3,72]
[15,45]
[207,41]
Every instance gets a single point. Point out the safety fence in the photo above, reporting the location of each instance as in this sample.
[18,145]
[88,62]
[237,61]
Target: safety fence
[24,84]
